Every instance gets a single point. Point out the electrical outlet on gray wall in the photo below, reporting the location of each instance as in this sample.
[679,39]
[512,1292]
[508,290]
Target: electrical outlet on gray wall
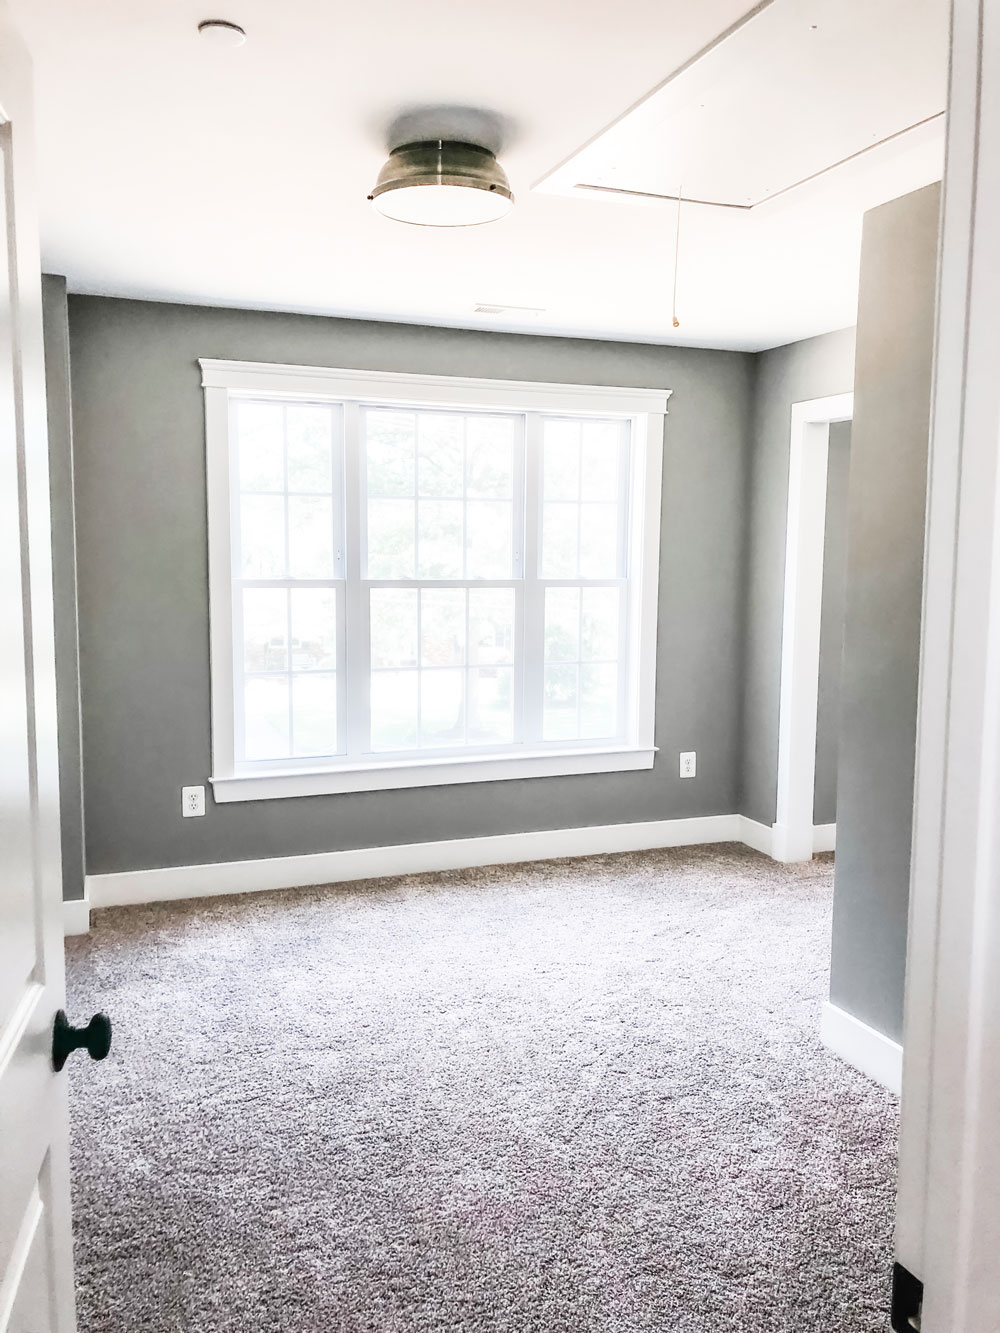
[192,802]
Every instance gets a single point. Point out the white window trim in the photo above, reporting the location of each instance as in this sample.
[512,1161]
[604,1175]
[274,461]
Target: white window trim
[644,408]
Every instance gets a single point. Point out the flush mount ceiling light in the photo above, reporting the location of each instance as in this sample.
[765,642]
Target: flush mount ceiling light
[221,33]
[442,183]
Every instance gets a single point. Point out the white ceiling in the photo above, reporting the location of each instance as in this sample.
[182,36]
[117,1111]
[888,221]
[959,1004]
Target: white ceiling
[172,170]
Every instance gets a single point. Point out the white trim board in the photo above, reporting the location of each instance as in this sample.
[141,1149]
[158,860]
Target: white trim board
[800,632]
[265,377]
[824,838]
[871,1052]
[126,887]
[773,841]
[76,916]
[288,872]
[757,836]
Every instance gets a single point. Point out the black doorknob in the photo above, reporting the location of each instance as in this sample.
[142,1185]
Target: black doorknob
[96,1037]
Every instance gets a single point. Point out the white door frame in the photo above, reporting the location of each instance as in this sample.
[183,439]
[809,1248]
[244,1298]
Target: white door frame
[948,1205]
[793,836]
[36,1263]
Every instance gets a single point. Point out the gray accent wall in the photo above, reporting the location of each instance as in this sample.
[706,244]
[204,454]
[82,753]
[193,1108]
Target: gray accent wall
[814,368]
[831,634]
[882,622]
[57,387]
[143,590]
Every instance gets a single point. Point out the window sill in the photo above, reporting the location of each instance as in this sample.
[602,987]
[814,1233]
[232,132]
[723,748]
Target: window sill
[427,773]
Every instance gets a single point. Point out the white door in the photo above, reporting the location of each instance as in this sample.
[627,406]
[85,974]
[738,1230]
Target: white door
[948,1205]
[36,1275]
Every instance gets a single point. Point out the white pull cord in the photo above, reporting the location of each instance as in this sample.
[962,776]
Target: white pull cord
[677,251]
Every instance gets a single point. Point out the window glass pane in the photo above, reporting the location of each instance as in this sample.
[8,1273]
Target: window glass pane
[491,626]
[314,628]
[599,460]
[260,434]
[489,552]
[559,720]
[265,629]
[440,454]
[389,447]
[394,710]
[599,629]
[490,705]
[562,624]
[489,458]
[559,541]
[440,539]
[310,440]
[310,537]
[390,539]
[265,727]
[442,707]
[561,460]
[314,713]
[598,541]
[441,504]
[442,627]
[262,536]
[393,627]
[598,700]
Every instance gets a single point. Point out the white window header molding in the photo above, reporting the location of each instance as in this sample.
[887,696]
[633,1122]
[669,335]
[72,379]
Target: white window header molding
[264,377]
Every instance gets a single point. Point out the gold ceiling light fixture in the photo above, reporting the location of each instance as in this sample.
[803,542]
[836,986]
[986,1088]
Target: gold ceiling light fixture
[442,183]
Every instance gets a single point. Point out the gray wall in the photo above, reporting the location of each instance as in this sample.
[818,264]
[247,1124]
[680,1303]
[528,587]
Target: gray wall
[142,567]
[814,368]
[831,634]
[882,623]
[57,388]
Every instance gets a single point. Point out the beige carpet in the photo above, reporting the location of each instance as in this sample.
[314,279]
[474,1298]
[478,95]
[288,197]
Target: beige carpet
[578,1096]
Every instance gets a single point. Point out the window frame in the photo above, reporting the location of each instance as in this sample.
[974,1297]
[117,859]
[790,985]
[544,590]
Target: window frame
[644,409]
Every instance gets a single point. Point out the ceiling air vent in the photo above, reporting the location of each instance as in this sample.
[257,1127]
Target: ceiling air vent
[484,309]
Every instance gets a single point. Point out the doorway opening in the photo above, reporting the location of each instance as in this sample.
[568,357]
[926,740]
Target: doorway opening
[796,835]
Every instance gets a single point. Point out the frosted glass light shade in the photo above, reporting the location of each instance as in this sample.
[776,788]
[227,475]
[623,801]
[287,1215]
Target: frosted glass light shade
[442,184]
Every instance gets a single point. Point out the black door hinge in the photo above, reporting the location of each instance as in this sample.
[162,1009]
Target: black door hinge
[907,1299]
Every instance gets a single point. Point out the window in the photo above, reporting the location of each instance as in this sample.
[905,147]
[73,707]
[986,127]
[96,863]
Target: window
[427,580]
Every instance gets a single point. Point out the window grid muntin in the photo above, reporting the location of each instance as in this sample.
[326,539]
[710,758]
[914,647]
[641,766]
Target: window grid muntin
[515,500]
[466,667]
[241,582]
[623,489]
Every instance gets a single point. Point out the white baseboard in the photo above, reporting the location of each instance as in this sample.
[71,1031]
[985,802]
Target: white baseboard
[76,916]
[824,837]
[876,1055]
[775,840]
[757,836]
[791,844]
[288,872]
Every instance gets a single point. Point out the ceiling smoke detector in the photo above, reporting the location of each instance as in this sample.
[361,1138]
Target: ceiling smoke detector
[442,183]
[222,33]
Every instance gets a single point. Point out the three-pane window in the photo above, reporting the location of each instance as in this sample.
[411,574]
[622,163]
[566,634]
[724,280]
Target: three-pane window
[485,616]
[439,584]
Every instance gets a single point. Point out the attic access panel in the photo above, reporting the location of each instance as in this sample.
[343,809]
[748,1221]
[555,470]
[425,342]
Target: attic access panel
[795,88]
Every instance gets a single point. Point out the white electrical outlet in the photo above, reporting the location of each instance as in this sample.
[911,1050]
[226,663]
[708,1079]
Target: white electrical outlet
[689,763]
[192,801]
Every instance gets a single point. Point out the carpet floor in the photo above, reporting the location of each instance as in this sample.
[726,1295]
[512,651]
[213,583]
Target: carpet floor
[569,1096]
